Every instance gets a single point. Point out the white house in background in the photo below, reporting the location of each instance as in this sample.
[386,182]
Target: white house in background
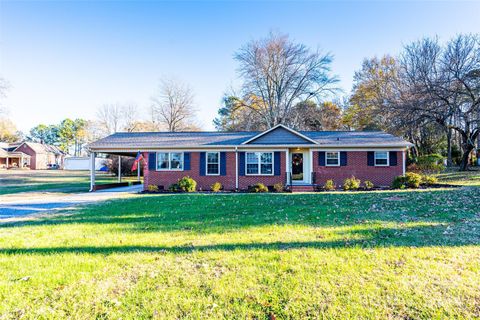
[83,163]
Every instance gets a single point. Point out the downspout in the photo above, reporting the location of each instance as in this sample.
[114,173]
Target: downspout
[236,168]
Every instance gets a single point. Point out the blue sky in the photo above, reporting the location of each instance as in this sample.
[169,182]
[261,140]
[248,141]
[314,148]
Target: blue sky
[65,59]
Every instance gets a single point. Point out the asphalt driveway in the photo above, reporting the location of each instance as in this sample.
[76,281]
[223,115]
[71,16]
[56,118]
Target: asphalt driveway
[22,205]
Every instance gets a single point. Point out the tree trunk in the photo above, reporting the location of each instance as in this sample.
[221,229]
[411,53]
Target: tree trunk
[449,148]
[465,157]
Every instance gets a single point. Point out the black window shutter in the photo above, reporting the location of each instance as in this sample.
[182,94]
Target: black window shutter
[343,158]
[186,161]
[223,163]
[393,158]
[241,163]
[152,161]
[321,158]
[202,163]
[277,160]
[371,158]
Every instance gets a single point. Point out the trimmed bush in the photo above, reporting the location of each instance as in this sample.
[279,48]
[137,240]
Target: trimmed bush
[187,184]
[410,180]
[329,185]
[216,187]
[174,187]
[278,187]
[258,187]
[368,185]
[351,183]
[428,180]
[152,188]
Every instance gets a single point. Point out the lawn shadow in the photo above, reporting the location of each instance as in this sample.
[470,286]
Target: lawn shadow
[419,236]
[201,213]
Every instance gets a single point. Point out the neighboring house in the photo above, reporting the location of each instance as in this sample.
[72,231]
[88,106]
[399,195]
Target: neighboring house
[32,155]
[300,159]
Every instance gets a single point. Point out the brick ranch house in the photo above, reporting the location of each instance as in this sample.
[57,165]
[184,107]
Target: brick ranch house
[298,159]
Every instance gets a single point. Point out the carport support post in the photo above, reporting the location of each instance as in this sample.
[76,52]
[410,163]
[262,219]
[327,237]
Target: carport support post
[138,170]
[92,171]
[119,169]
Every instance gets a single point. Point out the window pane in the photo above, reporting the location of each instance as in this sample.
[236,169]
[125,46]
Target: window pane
[252,157]
[266,157]
[176,160]
[212,168]
[212,157]
[252,168]
[381,155]
[162,160]
[381,158]
[266,168]
[332,158]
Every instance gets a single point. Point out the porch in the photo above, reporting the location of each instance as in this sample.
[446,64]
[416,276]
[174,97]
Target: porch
[14,160]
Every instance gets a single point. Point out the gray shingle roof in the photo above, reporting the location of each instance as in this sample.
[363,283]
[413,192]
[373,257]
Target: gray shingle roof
[144,140]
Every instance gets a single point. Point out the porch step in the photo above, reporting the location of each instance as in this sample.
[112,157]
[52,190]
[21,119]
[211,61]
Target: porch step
[302,188]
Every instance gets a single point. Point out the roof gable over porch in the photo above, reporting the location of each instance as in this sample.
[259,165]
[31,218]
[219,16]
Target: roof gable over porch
[280,135]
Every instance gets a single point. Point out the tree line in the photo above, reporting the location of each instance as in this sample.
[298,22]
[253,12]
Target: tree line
[429,94]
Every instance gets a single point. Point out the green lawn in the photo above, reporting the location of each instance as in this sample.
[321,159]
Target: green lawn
[58,181]
[384,255]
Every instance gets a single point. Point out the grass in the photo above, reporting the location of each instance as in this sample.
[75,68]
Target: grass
[468,178]
[58,181]
[383,255]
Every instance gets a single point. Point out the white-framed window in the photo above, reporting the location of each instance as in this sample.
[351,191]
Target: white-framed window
[213,163]
[381,158]
[170,161]
[259,163]
[332,158]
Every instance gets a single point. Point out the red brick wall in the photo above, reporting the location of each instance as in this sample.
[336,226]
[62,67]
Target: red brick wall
[166,178]
[357,166]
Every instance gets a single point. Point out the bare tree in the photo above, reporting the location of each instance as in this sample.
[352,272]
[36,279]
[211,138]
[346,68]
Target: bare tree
[442,85]
[278,73]
[117,117]
[173,106]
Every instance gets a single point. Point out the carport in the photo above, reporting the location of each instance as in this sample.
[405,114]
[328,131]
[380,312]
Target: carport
[119,153]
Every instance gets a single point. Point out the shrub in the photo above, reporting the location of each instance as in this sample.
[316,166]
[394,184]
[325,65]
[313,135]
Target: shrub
[410,180]
[351,183]
[368,184]
[174,187]
[152,188]
[187,184]
[413,180]
[430,163]
[217,186]
[258,187]
[278,187]
[428,180]
[329,185]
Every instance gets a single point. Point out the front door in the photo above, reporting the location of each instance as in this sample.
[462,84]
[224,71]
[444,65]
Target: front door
[297,167]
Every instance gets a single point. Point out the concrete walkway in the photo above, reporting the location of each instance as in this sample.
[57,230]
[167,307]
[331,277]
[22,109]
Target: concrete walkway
[26,204]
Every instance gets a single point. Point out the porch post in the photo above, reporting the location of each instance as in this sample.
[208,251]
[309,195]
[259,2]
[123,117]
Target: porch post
[7,162]
[21,161]
[236,168]
[138,170]
[92,171]
[287,166]
[119,169]
[404,160]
